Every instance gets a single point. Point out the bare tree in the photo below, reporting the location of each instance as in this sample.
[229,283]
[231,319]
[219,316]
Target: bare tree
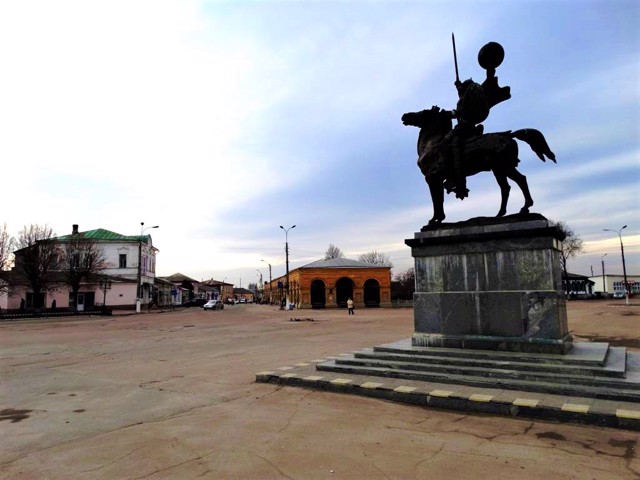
[572,245]
[7,245]
[376,258]
[333,252]
[35,258]
[81,258]
[406,284]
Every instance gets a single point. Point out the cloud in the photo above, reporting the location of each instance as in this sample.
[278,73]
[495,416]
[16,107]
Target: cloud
[219,120]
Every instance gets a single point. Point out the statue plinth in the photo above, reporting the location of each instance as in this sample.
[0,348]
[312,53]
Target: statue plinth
[490,284]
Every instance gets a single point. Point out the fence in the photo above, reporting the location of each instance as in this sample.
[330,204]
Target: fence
[15,314]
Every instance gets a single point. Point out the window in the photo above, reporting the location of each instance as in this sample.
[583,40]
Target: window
[123,260]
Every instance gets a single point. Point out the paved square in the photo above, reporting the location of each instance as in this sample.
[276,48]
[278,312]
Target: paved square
[173,395]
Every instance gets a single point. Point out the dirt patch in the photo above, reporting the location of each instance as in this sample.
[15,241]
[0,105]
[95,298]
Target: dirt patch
[617,341]
[551,435]
[14,415]
[628,445]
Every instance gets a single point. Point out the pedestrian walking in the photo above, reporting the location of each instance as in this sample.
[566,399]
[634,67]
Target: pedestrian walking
[350,306]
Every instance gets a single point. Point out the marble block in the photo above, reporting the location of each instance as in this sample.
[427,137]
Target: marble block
[491,284]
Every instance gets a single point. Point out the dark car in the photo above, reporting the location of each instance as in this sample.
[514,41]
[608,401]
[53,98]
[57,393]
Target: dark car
[196,302]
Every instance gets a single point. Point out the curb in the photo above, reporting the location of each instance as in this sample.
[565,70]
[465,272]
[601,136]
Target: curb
[510,403]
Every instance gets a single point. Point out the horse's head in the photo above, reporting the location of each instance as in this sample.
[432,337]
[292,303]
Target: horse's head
[434,118]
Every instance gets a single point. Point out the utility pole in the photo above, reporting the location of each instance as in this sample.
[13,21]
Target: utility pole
[624,268]
[269,280]
[286,250]
[604,284]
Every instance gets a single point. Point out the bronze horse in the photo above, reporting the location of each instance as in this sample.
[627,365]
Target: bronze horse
[495,152]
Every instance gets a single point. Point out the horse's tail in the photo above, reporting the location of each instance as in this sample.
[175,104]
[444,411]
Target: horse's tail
[536,141]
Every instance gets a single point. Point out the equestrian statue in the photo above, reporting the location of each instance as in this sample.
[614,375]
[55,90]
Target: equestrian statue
[448,154]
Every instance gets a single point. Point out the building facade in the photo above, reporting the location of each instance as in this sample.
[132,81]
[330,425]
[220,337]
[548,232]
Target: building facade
[615,283]
[130,262]
[330,283]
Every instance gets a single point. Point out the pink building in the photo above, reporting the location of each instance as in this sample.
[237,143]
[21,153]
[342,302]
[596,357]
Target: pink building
[130,262]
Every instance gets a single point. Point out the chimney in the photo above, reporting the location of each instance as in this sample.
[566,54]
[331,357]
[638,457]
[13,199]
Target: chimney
[75,229]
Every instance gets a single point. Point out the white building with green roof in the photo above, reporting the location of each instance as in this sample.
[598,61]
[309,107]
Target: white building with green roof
[130,261]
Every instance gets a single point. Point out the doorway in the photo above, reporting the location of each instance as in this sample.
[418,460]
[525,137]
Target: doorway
[371,293]
[318,295]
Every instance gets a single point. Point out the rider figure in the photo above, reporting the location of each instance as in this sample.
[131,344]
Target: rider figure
[474,103]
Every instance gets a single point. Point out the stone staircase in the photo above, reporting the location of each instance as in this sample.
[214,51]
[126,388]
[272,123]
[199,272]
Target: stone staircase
[592,370]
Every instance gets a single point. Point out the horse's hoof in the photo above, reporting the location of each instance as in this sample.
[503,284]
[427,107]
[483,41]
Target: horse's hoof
[524,210]
[501,213]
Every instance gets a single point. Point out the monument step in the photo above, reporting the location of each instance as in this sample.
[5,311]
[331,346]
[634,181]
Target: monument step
[496,372]
[626,393]
[615,365]
[582,353]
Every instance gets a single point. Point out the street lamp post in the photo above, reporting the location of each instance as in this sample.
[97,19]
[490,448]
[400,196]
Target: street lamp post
[269,280]
[286,250]
[604,283]
[260,285]
[624,267]
[222,290]
[139,283]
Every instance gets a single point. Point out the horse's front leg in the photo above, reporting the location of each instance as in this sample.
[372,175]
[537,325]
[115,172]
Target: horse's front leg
[501,178]
[436,189]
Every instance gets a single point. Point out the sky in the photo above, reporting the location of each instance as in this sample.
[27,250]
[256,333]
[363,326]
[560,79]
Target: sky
[220,121]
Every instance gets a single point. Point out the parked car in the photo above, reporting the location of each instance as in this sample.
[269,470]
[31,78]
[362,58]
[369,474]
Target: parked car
[196,302]
[619,294]
[213,305]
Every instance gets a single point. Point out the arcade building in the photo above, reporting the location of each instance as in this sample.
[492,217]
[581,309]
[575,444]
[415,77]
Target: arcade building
[330,283]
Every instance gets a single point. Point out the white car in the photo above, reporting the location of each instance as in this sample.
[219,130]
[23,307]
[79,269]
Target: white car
[213,305]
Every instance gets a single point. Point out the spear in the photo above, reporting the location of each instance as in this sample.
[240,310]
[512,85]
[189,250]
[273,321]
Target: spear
[455,57]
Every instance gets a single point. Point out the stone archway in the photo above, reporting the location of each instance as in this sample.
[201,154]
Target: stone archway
[318,295]
[344,291]
[371,293]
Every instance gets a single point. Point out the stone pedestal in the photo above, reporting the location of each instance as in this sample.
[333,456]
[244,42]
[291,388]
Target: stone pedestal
[490,284]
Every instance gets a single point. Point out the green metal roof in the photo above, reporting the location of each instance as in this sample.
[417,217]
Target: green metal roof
[105,236]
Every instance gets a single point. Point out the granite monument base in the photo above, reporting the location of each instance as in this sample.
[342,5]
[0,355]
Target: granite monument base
[490,284]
